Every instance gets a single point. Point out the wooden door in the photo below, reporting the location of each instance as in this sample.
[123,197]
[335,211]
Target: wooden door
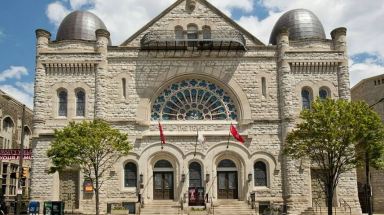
[163,185]
[227,185]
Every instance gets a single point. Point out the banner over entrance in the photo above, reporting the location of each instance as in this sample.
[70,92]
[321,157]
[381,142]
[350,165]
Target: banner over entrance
[14,154]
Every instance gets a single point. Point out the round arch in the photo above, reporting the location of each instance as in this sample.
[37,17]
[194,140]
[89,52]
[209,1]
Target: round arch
[233,89]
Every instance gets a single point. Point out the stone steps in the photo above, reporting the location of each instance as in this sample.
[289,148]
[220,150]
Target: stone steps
[226,207]
[324,211]
[161,207]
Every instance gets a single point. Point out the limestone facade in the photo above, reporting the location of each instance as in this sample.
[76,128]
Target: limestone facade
[371,90]
[122,83]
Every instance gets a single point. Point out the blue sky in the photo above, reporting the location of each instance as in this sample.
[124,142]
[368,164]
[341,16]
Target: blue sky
[20,18]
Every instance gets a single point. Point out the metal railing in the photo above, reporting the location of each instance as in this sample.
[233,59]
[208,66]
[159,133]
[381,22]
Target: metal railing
[161,39]
[317,205]
[345,205]
[212,208]
[141,205]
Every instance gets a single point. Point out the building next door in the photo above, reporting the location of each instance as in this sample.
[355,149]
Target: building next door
[163,180]
[227,187]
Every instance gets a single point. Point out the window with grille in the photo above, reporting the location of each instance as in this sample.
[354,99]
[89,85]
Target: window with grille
[260,174]
[130,175]
[194,175]
[80,103]
[63,101]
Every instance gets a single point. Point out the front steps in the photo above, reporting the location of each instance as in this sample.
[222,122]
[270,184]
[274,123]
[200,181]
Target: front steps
[233,206]
[161,207]
[324,211]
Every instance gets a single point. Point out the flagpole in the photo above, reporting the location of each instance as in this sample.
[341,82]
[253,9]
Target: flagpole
[197,138]
[229,135]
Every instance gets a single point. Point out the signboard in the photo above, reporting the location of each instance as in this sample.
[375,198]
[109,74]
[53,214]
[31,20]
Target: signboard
[14,154]
[88,186]
[196,196]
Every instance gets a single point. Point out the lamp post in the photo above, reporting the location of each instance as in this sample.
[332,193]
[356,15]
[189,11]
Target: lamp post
[368,188]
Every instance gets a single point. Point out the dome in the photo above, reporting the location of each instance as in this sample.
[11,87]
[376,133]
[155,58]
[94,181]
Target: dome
[79,25]
[301,24]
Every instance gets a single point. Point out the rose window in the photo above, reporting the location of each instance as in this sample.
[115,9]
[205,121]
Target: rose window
[194,99]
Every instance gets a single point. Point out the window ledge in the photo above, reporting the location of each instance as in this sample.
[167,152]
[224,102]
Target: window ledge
[255,188]
[129,189]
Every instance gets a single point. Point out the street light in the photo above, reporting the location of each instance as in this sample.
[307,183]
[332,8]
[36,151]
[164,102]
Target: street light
[21,156]
[368,188]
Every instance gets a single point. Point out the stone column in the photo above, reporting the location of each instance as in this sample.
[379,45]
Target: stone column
[41,91]
[296,193]
[101,73]
[339,38]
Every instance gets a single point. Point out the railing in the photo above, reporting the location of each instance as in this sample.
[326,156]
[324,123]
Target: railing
[218,40]
[317,204]
[141,204]
[212,209]
[345,205]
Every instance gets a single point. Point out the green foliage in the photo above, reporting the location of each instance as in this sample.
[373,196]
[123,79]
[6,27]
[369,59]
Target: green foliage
[335,135]
[92,146]
[331,131]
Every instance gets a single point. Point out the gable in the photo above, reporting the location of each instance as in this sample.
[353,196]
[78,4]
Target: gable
[204,14]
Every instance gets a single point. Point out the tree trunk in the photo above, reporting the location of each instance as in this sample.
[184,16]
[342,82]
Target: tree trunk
[97,195]
[330,198]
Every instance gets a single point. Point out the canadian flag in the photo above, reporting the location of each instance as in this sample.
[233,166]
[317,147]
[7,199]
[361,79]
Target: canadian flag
[162,137]
[236,134]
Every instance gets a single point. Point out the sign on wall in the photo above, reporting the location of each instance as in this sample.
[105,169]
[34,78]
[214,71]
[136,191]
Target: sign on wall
[14,154]
[88,186]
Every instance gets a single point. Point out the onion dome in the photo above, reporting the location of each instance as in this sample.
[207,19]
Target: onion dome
[79,25]
[301,24]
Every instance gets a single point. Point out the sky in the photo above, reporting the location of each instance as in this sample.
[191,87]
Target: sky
[20,18]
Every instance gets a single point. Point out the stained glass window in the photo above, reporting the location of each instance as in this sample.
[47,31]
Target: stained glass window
[194,99]
[306,99]
[80,103]
[323,93]
[130,175]
[260,174]
[63,103]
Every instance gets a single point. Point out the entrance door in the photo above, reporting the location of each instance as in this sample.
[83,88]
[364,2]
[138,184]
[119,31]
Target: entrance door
[227,185]
[163,185]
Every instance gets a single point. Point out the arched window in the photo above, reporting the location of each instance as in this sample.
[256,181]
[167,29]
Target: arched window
[63,101]
[27,137]
[263,87]
[80,103]
[163,164]
[130,175]
[179,33]
[194,99]
[194,175]
[306,98]
[192,34]
[227,164]
[206,32]
[324,93]
[8,127]
[260,174]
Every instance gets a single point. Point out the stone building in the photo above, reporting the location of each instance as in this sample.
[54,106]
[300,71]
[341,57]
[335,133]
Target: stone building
[371,90]
[11,120]
[195,70]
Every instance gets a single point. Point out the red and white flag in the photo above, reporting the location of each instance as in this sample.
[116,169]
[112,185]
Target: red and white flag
[162,137]
[236,134]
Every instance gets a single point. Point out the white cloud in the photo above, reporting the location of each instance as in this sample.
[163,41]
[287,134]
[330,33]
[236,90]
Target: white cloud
[56,12]
[362,19]
[77,4]
[26,86]
[18,94]
[366,69]
[13,72]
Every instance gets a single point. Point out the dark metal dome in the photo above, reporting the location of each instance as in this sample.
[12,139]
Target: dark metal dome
[301,24]
[79,25]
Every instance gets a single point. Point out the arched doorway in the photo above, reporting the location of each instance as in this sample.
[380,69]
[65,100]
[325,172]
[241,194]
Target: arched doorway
[163,180]
[227,187]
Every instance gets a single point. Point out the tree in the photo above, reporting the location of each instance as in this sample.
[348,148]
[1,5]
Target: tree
[329,135]
[93,147]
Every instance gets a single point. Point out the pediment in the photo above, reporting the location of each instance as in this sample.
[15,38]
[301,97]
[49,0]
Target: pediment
[200,13]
